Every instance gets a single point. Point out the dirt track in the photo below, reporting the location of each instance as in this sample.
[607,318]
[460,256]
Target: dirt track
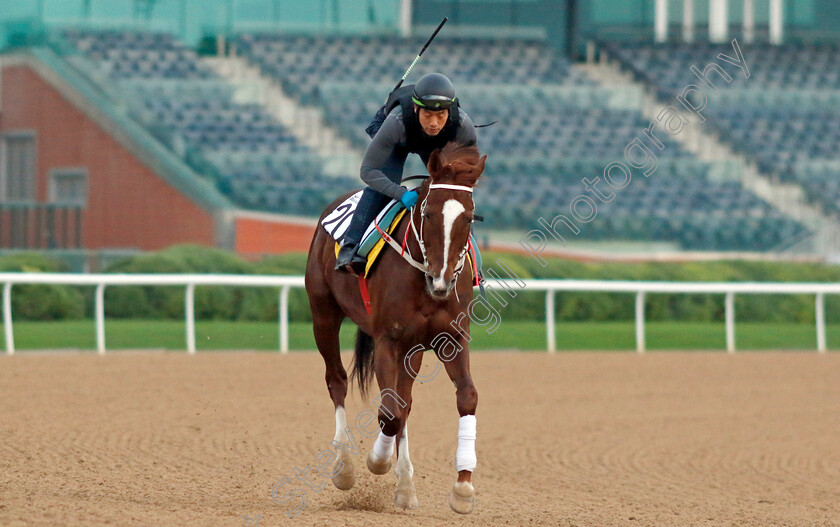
[572,440]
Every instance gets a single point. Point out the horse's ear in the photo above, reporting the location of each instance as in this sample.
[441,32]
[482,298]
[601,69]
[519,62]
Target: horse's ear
[434,163]
[476,170]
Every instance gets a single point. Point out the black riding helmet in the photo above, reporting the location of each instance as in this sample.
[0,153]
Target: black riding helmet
[434,92]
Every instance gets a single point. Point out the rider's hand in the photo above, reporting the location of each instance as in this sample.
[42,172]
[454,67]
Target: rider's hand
[409,198]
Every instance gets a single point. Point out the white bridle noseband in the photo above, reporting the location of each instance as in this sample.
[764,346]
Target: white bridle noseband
[424,267]
[450,187]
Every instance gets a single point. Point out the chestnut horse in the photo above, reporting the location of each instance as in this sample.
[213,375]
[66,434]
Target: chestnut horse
[412,306]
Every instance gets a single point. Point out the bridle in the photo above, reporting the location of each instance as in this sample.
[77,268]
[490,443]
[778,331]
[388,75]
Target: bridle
[406,254]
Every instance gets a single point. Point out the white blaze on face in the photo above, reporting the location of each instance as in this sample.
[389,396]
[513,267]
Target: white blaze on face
[451,210]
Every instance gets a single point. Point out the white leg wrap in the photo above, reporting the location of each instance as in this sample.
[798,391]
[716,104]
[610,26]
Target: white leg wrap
[404,467]
[383,447]
[340,423]
[465,456]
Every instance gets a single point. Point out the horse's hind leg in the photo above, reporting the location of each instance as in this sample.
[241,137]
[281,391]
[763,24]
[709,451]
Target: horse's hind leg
[391,407]
[326,322]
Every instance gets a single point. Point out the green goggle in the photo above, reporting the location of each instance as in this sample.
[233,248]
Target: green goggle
[434,102]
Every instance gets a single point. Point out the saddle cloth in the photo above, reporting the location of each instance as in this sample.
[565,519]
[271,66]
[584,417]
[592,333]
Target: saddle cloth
[337,221]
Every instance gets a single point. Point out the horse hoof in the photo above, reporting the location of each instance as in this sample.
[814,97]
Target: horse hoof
[378,467]
[407,501]
[406,498]
[462,497]
[345,479]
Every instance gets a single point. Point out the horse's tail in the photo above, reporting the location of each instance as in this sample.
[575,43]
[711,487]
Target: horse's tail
[362,369]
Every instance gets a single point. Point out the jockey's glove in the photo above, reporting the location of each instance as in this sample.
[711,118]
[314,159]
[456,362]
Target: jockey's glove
[409,198]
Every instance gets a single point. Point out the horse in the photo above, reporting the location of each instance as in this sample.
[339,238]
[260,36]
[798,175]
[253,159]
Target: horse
[413,306]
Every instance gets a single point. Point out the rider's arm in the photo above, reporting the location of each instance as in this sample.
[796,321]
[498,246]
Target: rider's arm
[466,132]
[389,136]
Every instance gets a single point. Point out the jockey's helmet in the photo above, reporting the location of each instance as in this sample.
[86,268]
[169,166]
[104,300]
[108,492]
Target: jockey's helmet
[434,92]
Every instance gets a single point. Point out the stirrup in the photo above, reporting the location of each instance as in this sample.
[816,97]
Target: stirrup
[355,266]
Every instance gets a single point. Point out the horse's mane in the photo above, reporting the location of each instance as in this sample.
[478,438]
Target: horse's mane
[464,161]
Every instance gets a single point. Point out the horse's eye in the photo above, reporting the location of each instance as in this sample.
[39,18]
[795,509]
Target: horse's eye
[426,215]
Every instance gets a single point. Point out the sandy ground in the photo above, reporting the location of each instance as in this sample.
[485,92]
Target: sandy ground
[584,439]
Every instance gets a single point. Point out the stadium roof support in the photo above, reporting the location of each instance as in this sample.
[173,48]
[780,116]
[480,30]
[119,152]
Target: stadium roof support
[660,23]
[775,21]
[405,17]
[718,21]
[688,20]
[749,22]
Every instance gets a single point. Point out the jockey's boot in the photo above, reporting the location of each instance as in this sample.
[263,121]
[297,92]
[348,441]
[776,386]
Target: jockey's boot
[348,261]
[369,205]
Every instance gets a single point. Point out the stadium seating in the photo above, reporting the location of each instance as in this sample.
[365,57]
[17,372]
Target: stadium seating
[303,62]
[138,54]
[252,158]
[681,205]
[555,127]
[785,116]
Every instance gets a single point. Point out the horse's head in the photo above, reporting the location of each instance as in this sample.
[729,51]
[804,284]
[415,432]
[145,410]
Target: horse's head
[445,213]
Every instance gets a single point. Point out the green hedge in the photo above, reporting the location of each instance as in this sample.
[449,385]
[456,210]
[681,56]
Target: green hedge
[211,302]
[39,302]
[696,307]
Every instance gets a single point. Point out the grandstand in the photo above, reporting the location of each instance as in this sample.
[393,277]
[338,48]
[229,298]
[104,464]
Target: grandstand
[557,122]
[788,123]
[250,156]
[559,114]
[783,120]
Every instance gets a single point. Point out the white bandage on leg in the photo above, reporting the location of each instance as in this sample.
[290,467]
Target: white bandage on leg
[383,447]
[465,455]
[340,423]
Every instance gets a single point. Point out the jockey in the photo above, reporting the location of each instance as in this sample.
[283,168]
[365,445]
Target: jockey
[416,119]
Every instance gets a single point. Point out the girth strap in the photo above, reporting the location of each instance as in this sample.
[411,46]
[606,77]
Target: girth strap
[363,288]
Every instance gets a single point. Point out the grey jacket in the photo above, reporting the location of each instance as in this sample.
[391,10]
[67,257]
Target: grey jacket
[385,157]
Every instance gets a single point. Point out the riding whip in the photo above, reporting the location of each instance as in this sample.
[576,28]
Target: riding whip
[426,45]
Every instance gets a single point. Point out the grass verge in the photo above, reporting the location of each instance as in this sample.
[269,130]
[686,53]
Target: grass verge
[510,335]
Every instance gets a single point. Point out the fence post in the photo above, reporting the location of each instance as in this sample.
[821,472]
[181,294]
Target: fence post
[284,319]
[640,322]
[7,318]
[100,318]
[189,304]
[820,316]
[549,320]
[729,314]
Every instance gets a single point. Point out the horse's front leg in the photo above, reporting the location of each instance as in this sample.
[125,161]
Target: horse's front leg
[406,494]
[462,497]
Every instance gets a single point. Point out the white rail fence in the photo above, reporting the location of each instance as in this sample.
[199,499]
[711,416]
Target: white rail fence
[285,283]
